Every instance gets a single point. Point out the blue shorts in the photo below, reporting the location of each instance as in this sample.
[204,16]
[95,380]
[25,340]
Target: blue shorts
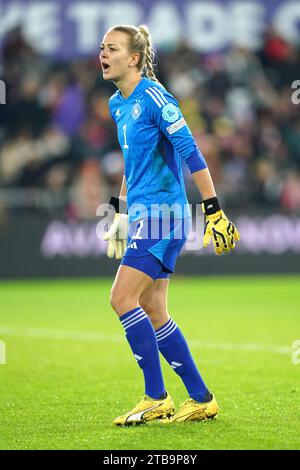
[154,245]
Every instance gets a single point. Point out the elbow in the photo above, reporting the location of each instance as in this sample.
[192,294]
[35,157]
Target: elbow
[196,161]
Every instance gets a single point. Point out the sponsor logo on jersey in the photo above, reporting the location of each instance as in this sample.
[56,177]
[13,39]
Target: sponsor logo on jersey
[170,112]
[176,126]
[136,111]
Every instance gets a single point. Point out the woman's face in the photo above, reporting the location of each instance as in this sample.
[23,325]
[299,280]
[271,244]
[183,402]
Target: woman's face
[114,57]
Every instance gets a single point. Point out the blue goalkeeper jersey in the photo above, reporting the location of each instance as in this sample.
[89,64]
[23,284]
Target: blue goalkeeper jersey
[154,137]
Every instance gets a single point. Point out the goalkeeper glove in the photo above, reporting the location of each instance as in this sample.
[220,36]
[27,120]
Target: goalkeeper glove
[218,227]
[118,231]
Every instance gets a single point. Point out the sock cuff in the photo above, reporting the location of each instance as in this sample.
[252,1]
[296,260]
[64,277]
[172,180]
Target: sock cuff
[132,317]
[166,330]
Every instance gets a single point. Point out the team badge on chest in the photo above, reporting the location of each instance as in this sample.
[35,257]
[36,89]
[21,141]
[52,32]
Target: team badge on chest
[136,111]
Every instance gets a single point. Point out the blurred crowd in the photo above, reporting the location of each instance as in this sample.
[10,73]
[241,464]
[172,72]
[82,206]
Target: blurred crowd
[56,133]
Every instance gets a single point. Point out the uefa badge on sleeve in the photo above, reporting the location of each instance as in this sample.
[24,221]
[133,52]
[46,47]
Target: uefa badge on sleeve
[170,112]
[136,111]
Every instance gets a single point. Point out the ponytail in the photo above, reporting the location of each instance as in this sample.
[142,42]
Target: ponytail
[149,53]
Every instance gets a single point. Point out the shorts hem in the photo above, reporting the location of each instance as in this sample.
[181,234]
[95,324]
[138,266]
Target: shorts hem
[154,268]
[170,271]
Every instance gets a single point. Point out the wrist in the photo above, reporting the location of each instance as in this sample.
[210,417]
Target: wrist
[210,206]
[119,205]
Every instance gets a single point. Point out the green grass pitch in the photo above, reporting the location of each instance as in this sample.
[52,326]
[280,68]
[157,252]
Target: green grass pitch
[69,370]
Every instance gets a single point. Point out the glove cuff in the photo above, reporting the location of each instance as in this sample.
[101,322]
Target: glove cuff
[211,206]
[119,205]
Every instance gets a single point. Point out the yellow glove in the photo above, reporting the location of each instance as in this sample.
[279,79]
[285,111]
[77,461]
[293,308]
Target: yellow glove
[218,228]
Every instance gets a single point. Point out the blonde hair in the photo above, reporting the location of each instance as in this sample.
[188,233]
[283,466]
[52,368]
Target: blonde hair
[139,40]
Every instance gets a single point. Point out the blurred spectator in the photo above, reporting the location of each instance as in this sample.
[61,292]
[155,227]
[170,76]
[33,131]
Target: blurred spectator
[292,135]
[25,160]
[276,48]
[56,132]
[69,112]
[113,168]
[290,196]
[28,113]
[88,191]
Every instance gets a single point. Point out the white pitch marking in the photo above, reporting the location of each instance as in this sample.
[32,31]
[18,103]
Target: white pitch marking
[105,338]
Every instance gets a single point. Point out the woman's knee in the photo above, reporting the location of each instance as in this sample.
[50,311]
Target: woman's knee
[120,302]
[128,287]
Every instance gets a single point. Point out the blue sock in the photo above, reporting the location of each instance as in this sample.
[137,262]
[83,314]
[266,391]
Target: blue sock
[141,337]
[174,348]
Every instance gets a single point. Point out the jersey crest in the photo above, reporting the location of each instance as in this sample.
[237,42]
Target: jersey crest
[136,111]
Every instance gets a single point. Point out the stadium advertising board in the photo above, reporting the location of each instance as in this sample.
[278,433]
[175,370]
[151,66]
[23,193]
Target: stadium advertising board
[35,247]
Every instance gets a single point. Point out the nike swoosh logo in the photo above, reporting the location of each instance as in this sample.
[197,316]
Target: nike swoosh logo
[138,416]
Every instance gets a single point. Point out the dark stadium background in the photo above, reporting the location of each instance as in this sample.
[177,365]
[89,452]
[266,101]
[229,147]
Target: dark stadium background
[233,66]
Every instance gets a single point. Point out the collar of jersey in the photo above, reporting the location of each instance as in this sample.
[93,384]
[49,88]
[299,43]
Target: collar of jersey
[133,93]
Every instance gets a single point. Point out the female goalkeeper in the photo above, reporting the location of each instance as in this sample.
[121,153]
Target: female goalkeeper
[154,137]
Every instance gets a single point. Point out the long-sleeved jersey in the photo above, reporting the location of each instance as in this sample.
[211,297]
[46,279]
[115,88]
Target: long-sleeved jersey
[154,137]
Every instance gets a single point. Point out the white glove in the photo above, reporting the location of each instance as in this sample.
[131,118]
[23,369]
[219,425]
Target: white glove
[117,236]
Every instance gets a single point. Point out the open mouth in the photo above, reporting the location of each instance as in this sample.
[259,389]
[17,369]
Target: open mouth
[105,67]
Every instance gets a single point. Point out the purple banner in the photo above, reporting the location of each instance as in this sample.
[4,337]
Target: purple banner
[71,28]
